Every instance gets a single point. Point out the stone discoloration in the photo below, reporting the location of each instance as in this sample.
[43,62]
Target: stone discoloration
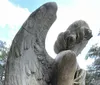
[65,68]
[67,46]
[28,62]
[76,36]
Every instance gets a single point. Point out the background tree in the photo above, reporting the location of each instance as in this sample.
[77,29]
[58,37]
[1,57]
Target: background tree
[93,73]
[3,59]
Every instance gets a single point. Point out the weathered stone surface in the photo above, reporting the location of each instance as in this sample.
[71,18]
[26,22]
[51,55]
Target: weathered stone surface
[74,38]
[68,45]
[79,77]
[28,62]
[65,68]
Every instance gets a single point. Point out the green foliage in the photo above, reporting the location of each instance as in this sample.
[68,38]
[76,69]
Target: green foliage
[89,78]
[3,50]
[94,52]
[3,59]
[93,73]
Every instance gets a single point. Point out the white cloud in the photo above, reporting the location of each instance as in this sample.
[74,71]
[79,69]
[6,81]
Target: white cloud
[13,16]
[87,10]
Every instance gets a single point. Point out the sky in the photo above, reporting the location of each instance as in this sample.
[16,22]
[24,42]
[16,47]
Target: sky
[13,14]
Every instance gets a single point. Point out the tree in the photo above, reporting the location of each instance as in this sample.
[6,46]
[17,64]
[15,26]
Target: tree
[3,50]
[93,73]
[94,52]
[3,58]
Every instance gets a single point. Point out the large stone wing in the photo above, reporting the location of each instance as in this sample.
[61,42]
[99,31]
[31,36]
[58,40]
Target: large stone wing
[28,62]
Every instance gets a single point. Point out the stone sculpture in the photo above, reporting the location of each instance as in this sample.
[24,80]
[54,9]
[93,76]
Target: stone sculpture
[74,38]
[28,62]
[68,45]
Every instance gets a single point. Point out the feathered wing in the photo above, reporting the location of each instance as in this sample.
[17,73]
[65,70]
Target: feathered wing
[28,62]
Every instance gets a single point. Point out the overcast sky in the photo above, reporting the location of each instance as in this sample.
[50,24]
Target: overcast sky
[13,13]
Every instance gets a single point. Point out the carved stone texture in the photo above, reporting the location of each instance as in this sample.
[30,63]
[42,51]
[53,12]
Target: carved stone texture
[67,46]
[28,62]
[65,68]
[79,77]
[74,38]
